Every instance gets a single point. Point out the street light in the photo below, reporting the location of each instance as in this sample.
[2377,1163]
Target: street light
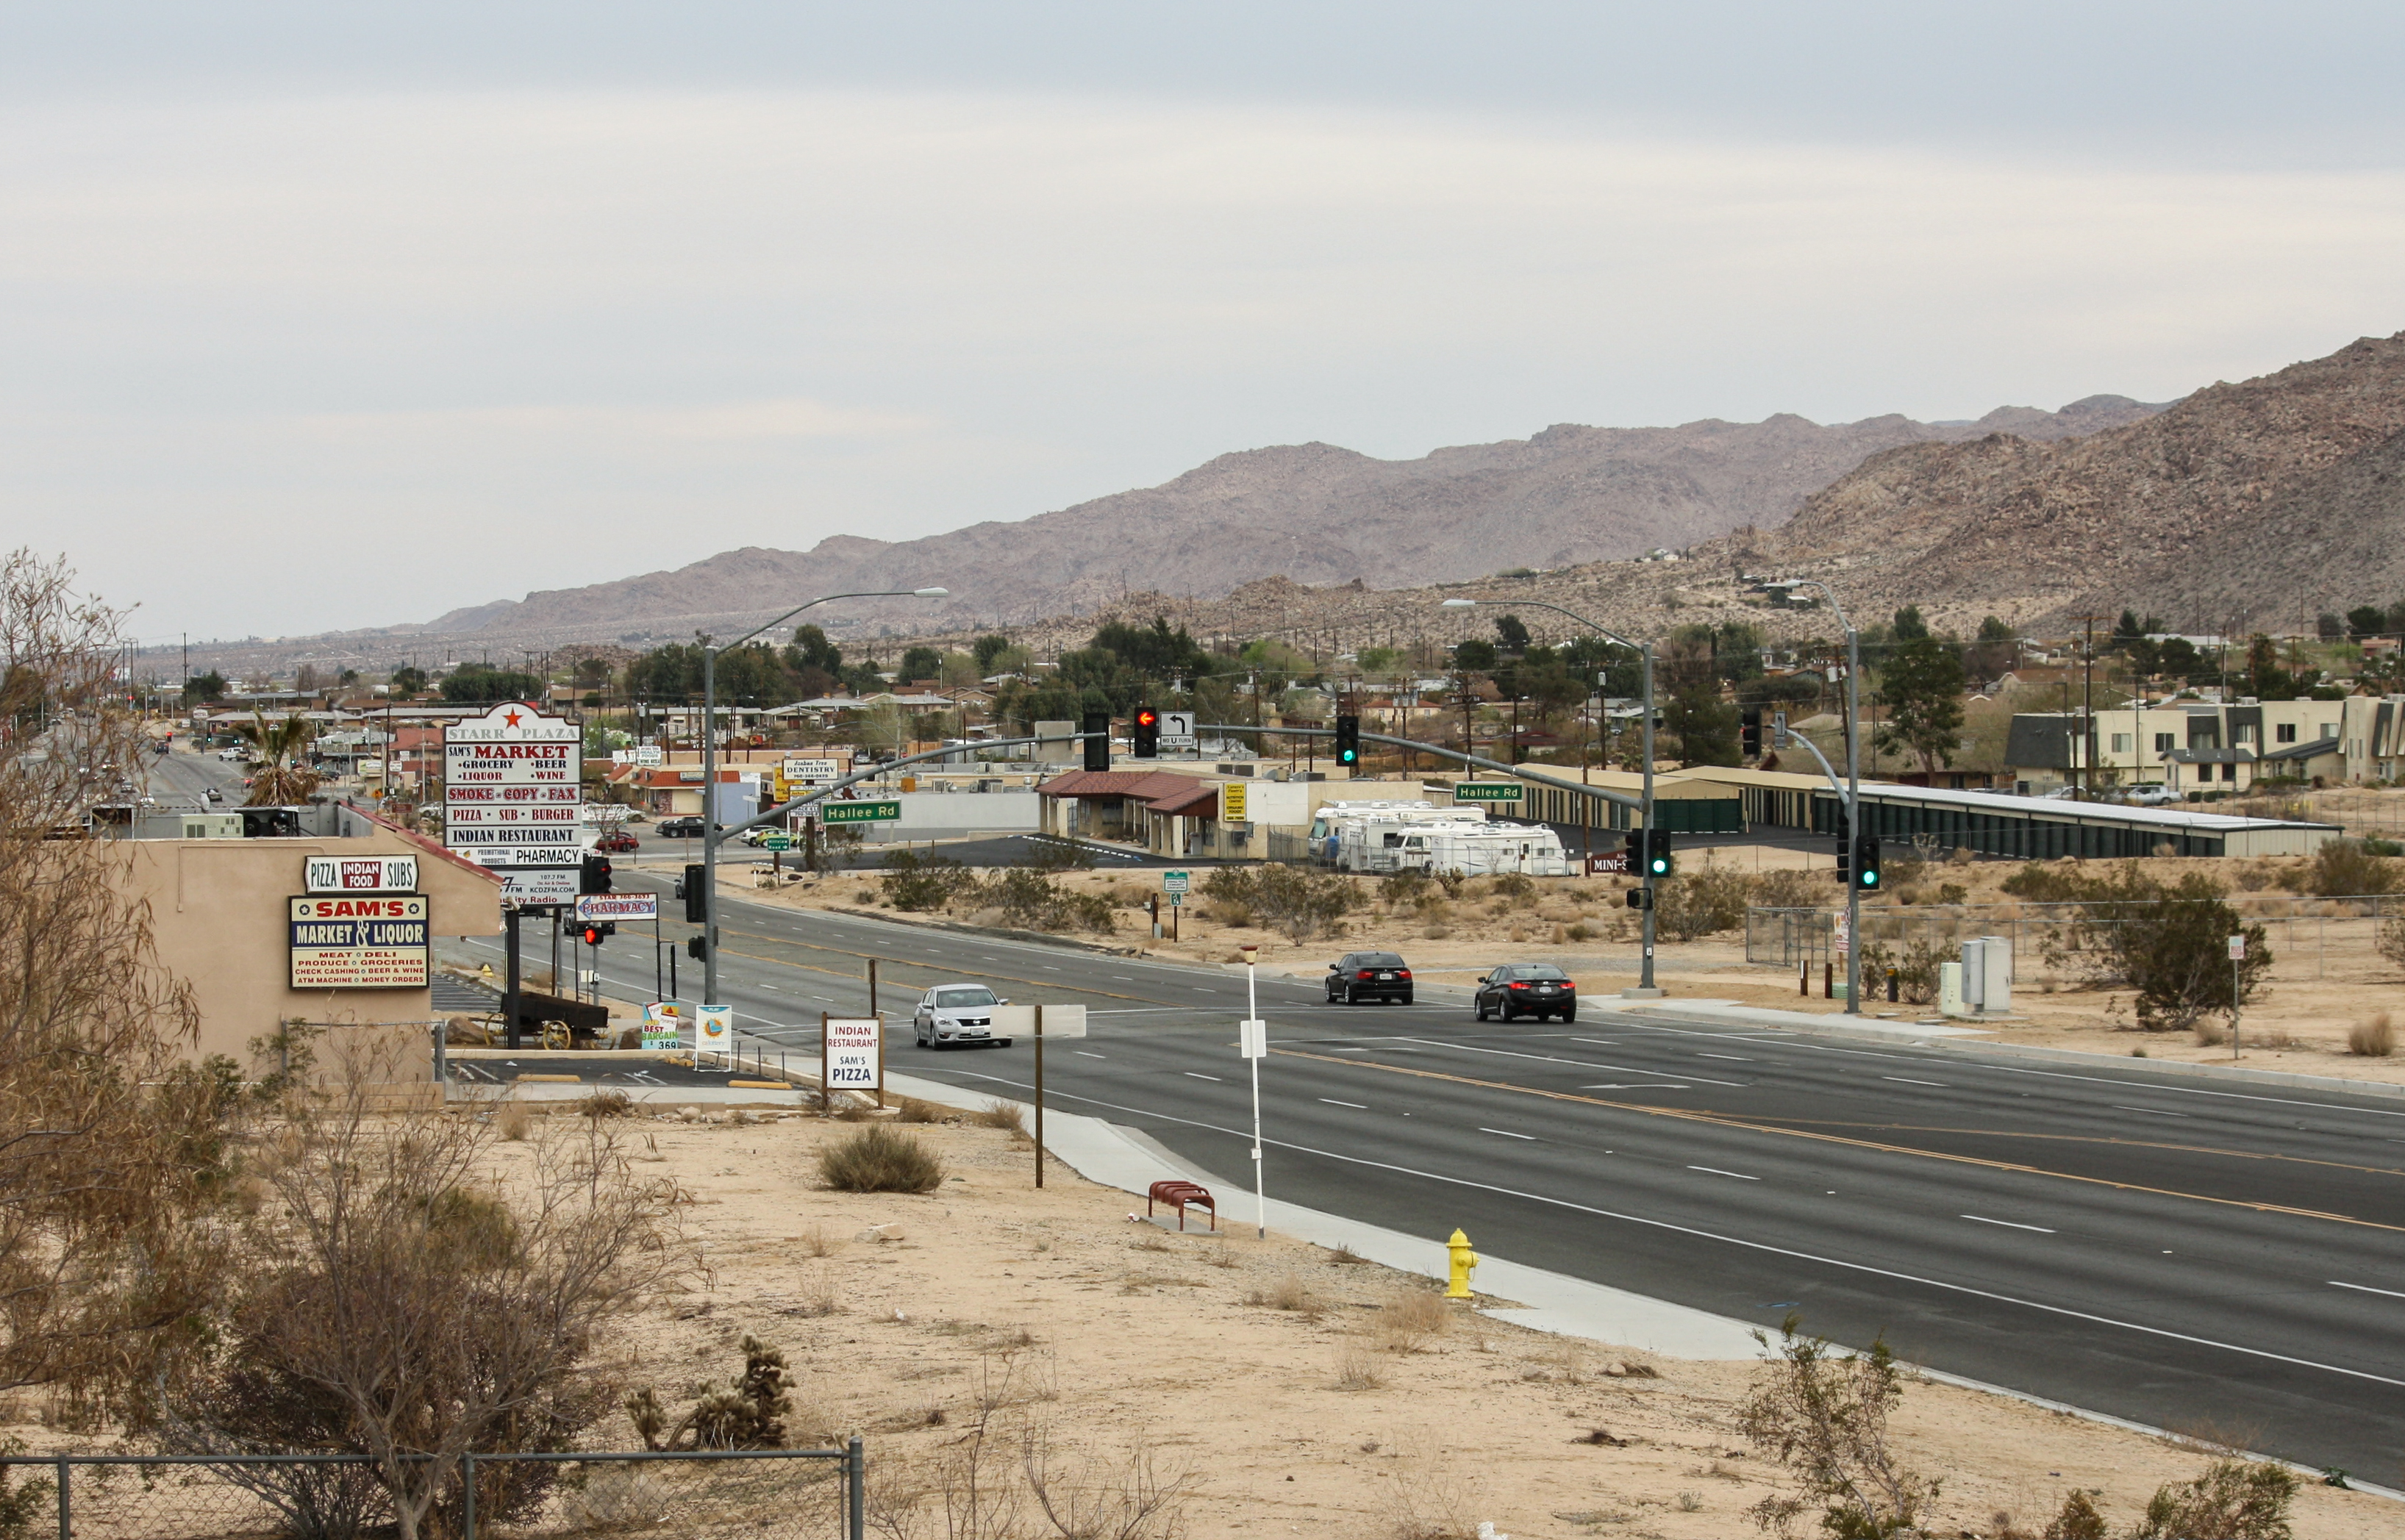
[1854,784]
[1254,1045]
[709,766]
[1645,988]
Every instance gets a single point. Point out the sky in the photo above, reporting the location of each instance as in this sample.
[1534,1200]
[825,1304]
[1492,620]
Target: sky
[323,315]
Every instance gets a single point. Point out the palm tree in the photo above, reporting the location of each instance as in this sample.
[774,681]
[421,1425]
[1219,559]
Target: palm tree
[277,747]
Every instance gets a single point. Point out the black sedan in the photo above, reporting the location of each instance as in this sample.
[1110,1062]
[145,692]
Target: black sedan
[1357,976]
[1527,989]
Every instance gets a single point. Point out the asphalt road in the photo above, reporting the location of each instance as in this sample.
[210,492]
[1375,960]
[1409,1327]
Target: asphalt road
[179,781]
[2188,1255]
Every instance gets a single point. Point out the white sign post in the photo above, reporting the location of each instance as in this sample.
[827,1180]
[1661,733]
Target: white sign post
[2237,955]
[852,1054]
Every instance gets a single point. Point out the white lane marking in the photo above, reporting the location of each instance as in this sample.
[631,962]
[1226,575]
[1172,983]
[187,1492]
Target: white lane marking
[1082,1054]
[2156,1110]
[1637,1086]
[1123,978]
[1906,1080]
[2366,1288]
[1573,1063]
[1365,1050]
[1509,1134]
[1717,1171]
[1048,968]
[1191,1075]
[1358,1106]
[1982,1218]
[1740,1058]
[771,987]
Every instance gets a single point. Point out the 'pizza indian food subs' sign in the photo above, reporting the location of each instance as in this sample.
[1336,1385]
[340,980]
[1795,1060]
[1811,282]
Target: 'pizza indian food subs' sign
[359,943]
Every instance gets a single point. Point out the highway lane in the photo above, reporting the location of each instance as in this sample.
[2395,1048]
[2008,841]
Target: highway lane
[2168,1252]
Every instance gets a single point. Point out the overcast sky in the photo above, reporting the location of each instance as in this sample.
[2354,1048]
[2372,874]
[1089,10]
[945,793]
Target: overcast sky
[319,315]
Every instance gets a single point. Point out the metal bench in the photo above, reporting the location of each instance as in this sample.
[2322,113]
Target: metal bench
[1182,1196]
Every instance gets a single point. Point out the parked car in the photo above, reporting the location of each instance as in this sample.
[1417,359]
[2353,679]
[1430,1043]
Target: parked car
[1526,989]
[953,1013]
[688,827]
[1357,976]
[2150,796]
[617,843]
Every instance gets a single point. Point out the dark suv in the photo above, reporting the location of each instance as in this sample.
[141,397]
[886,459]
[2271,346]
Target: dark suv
[1527,989]
[1357,976]
[682,828]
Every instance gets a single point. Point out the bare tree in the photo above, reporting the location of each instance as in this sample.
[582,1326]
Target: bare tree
[108,1143]
[410,1293]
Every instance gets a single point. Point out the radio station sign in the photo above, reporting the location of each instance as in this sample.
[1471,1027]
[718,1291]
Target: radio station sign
[593,906]
[1487,791]
[359,874]
[366,942]
[513,799]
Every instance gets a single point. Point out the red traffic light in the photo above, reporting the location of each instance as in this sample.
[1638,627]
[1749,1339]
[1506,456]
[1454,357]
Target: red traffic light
[593,935]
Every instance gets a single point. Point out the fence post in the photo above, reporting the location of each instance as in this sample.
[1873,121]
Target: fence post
[66,1525]
[856,1464]
[467,1497]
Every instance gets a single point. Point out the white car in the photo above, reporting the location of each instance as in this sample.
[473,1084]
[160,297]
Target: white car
[2150,796]
[956,1013]
[234,753]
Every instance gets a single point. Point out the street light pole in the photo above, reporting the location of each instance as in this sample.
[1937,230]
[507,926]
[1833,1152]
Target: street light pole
[1645,986]
[709,840]
[1853,790]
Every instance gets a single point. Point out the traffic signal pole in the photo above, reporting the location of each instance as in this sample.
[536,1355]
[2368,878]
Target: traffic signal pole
[1645,989]
[1853,789]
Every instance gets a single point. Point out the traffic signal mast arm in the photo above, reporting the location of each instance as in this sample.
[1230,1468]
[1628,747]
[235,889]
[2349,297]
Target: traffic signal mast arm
[778,813]
[1622,798]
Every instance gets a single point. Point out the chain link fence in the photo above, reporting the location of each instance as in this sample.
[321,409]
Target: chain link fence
[2308,937]
[762,1494]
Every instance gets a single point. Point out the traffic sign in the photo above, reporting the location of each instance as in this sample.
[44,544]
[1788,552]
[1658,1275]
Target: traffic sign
[1176,882]
[1177,900]
[778,842]
[1177,729]
[1487,791]
[616,906]
[859,812]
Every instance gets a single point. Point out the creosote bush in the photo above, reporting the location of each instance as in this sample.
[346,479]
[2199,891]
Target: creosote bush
[1824,1414]
[877,1159]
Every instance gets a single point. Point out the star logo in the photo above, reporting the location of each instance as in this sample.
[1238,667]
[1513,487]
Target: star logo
[511,717]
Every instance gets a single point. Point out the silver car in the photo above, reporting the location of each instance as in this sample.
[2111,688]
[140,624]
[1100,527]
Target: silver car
[956,1012]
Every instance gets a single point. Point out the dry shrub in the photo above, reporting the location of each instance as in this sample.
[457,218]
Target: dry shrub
[817,1242]
[384,1302]
[1345,1256]
[515,1121]
[747,1414]
[1427,1496]
[2346,868]
[2372,1039]
[1007,1115]
[1406,1322]
[2233,1500]
[1698,902]
[2391,940]
[1786,889]
[1287,1291]
[1436,933]
[915,1111]
[1579,931]
[1824,1414]
[607,1104]
[2211,1033]
[1358,1369]
[877,1159]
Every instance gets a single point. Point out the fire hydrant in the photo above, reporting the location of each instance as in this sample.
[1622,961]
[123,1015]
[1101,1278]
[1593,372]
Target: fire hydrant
[1464,1259]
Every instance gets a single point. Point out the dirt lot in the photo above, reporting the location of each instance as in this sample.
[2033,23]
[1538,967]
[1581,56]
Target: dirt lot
[2326,978]
[1293,1392]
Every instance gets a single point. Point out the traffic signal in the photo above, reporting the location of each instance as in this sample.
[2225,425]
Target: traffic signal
[696,908]
[1146,732]
[594,876]
[598,930]
[696,948]
[1748,731]
[1845,861]
[1656,845]
[1097,729]
[1641,898]
[1866,863]
[1348,740]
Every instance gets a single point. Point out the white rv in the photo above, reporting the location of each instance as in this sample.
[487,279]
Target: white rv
[1364,837]
[1474,849]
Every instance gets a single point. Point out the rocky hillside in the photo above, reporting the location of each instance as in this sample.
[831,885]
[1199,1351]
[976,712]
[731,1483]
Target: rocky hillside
[1313,513]
[2241,504]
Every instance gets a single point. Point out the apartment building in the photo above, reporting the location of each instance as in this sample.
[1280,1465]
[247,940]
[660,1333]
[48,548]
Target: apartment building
[2193,745]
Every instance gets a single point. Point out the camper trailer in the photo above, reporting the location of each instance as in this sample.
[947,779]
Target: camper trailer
[1470,848]
[1365,836]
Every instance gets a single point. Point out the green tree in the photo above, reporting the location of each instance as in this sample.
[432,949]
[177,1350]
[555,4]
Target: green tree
[408,679]
[1705,725]
[204,688]
[811,650]
[1909,626]
[921,662]
[2367,620]
[1154,652]
[1510,635]
[1475,655]
[481,684]
[986,649]
[1921,688]
[283,778]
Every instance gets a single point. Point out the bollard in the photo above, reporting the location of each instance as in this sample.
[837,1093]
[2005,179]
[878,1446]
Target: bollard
[1464,1259]
[1804,979]
[1894,986]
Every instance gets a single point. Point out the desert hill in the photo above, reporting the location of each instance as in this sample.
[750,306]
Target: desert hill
[2242,505]
[1314,513]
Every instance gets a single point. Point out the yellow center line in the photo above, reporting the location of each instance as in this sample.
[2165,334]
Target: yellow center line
[1720,1120]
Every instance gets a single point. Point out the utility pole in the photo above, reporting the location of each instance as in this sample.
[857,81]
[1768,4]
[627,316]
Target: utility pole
[2087,712]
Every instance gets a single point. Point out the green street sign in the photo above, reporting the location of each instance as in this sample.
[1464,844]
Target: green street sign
[778,842]
[859,812]
[1175,882]
[1487,791]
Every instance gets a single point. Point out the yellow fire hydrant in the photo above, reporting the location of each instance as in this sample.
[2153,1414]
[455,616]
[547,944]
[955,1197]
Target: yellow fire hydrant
[1464,1259]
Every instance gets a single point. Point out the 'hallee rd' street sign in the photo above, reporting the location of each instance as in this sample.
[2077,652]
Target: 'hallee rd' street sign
[859,812]
[1487,791]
